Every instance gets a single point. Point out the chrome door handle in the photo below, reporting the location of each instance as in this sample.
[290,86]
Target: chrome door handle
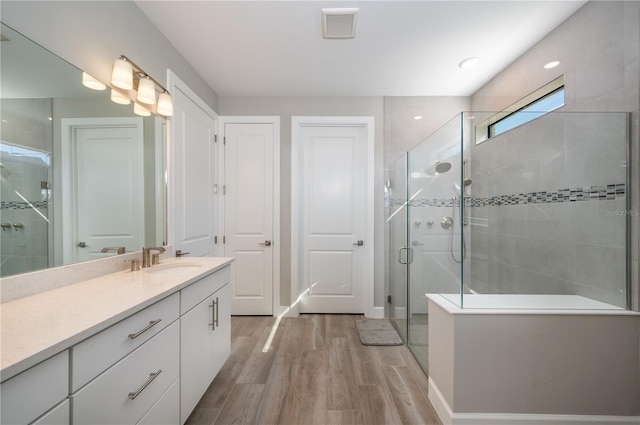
[179,253]
[82,245]
[265,243]
[416,243]
[409,255]
[359,243]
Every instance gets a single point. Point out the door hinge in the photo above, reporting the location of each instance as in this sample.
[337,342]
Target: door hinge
[224,189]
[215,240]
[224,239]
[224,140]
[215,138]
[215,189]
[389,299]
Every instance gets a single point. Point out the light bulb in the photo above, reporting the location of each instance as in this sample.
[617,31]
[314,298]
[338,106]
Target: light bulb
[165,104]
[141,110]
[146,91]
[119,98]
[122,74]
[92,83]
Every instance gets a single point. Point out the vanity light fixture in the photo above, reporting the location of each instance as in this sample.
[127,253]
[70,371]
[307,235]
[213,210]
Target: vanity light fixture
[90,82]
[469,63]
[146,91]
[551,64]
[117,97]
[165,104]
[128,76]
[141,110]
[122,74]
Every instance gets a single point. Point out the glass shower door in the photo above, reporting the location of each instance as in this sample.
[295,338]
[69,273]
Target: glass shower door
[435,169]
[396,192]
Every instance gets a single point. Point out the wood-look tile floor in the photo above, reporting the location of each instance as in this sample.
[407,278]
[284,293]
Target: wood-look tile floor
[316,372]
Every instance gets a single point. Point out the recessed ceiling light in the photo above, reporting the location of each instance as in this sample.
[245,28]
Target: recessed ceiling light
[469,63]
[417,117]
[551,64]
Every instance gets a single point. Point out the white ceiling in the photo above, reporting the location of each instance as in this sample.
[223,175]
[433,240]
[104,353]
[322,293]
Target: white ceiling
[401,48]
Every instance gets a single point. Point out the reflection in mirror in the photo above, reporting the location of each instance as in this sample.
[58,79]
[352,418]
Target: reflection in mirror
[79,174]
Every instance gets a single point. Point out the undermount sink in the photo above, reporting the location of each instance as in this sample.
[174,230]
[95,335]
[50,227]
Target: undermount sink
[172,267]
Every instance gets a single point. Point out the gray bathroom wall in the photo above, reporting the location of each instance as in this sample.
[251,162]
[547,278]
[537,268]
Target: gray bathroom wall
[599,51]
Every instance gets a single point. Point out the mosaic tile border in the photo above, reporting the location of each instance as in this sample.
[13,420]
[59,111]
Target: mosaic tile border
[580,194]
[15,205]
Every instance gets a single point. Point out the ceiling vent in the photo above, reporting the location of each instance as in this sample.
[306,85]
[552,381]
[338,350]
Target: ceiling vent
[339,22]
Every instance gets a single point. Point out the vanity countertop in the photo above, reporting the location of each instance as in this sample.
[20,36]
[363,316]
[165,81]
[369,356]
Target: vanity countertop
[39,326]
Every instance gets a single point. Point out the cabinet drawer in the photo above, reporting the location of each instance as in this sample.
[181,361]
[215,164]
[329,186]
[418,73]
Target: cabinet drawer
[57,416]
[108,398]
[198,291]
[36,390]
[97,353]
[166,411]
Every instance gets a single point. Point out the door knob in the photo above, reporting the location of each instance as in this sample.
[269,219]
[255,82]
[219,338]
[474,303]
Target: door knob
[265,243]
[82,245]
[359,243]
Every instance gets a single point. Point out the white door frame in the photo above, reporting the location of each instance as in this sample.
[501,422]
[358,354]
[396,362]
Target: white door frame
[174,83]
[297,123]
[68,126]
[277,241]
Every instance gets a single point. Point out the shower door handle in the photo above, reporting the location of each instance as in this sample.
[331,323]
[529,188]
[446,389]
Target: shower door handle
[409,255]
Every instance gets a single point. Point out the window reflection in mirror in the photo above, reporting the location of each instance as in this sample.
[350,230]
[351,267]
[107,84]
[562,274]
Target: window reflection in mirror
[78,172]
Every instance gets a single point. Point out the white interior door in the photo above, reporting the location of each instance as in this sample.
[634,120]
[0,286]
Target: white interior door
[194,175]
[249,214]
[104,163]
[332,199]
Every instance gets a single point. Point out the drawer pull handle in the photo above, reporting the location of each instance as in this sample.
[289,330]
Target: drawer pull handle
[146,328]
[152,376]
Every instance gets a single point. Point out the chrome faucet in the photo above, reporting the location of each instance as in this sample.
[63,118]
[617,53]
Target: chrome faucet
[146,254]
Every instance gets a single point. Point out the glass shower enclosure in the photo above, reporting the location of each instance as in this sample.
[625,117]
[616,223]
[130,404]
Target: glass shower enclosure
[534,218]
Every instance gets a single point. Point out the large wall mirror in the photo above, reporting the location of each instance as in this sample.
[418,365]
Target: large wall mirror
[80,174]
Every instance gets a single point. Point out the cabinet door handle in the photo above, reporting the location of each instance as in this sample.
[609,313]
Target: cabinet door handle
[152,376]
[214,314]
[215,319]
[146,328]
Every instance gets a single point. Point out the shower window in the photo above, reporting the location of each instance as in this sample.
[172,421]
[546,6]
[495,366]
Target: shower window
[530,112]
[542,101]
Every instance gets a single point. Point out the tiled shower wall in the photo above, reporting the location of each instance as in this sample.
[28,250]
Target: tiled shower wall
[548,209]
[26,124]
[599,51]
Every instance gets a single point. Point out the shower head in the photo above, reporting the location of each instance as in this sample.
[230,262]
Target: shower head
[442,167]
[467,182]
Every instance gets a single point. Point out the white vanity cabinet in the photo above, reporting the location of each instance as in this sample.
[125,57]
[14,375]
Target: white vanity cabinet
[36,391]
[205,329]
[140,348]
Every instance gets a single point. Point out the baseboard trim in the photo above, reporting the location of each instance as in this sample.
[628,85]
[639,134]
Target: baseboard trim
[439,403]
[448,417]
[375,313]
